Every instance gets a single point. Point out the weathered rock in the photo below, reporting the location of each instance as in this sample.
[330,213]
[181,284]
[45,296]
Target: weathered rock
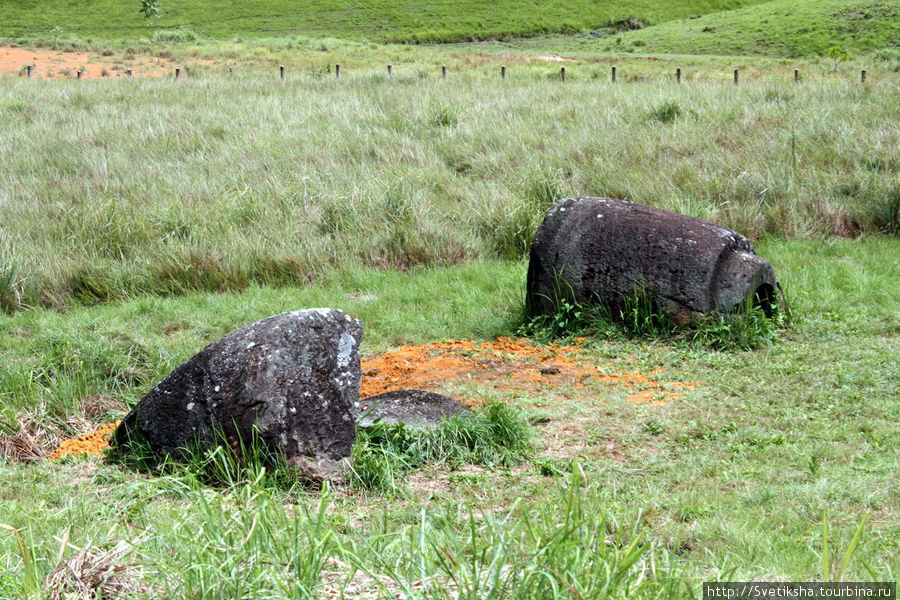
[416,408]
[598,250]
[293,376]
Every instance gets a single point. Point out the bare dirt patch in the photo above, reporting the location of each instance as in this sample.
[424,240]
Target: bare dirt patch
[53,64]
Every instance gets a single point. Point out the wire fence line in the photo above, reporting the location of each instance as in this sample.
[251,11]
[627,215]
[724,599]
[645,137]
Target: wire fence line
[615,75]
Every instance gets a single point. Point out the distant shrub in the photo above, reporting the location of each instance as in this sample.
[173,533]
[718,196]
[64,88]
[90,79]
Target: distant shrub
[443,114]
[176,35]
[630,23]
[885,214]
[667,112]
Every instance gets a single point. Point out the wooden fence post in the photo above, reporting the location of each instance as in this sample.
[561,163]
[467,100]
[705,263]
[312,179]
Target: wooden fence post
[678,75]
[862,76]
[503,72]
[613,74]
[177,72]
[390,72]
[281,69]
[444,72]
[562,73]
[337,71]
[735,77]
[78,75]
[28,70]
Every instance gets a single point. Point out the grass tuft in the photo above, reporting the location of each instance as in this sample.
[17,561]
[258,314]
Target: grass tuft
[225,465]
[637,316]
[495,436]
[667,112]
[748,328]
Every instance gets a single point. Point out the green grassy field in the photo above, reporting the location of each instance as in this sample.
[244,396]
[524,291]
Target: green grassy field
[776,28]
[374,21]
[779,28]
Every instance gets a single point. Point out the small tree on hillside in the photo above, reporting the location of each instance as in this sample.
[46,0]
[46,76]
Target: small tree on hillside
[150,9]
[838,55]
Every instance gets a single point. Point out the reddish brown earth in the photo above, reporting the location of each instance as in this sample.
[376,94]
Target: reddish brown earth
[508,365]
[52,64]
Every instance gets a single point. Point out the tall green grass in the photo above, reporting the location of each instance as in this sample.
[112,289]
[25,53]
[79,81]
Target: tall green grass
[245,542]
[747,327]
[117,189]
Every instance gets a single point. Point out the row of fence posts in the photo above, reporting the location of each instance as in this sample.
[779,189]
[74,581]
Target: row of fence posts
[562,73]
[390,73]
[79,72]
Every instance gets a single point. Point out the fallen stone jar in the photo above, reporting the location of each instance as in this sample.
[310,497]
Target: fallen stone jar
[604,251]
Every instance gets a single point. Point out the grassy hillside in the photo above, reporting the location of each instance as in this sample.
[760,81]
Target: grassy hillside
[376,20]
[788,28]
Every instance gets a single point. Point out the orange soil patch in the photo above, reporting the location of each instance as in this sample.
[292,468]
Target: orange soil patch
[505,365]
[52,64]
[89,443]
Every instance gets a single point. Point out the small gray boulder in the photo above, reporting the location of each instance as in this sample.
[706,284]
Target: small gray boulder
[293,376]
[416,408]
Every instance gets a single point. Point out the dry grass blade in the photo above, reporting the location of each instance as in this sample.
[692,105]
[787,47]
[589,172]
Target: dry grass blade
[21,447]
[35,434]
[93,573]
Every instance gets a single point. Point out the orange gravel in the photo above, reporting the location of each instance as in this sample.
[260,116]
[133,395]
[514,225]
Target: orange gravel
[507,364]
[89,443]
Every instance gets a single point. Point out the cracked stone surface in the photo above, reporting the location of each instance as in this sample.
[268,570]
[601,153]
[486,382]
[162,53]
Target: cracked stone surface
[294,376]
[599,250]
[416,408]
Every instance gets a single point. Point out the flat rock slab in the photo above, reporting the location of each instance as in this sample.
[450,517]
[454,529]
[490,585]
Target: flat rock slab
[416,408]
[294,377]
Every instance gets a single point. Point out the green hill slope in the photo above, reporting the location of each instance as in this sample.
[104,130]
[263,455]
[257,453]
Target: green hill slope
[375,20]
[789,28]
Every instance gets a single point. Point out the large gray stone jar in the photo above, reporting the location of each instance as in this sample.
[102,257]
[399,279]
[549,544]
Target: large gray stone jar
[600,250]
[294,377]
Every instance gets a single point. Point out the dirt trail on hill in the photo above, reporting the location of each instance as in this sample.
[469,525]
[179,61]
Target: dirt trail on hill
[507,365]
